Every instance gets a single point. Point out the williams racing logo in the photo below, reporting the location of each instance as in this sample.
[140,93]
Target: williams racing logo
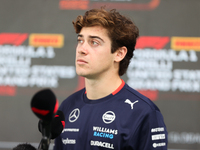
[104,132]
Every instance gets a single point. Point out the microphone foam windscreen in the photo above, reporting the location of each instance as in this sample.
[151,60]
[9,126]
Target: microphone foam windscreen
[57,124]
[44,104]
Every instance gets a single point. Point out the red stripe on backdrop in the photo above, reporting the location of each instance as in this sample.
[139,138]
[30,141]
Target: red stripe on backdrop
[152,95]
[7,90]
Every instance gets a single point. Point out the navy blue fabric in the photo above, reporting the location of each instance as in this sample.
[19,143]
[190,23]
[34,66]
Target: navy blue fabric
[124,121]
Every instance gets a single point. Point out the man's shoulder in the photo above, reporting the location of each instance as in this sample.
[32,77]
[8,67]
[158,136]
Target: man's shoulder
[145,102]
[76,94]
[73,98]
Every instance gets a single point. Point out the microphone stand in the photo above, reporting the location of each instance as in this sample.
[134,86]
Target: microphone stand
[44,144]
[46,136]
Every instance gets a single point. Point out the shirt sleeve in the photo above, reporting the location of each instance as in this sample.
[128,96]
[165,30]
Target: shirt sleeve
[151,133]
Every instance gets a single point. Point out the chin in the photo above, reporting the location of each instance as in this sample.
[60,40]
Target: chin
[85,75]
[81,73]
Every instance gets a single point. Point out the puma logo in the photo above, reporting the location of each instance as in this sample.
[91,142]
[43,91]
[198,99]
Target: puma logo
[129,102]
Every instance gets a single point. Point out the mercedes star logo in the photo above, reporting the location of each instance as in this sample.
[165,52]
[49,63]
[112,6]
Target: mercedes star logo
[73,116]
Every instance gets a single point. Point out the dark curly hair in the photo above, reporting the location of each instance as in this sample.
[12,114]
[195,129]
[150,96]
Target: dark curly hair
[121,30]
[24,146]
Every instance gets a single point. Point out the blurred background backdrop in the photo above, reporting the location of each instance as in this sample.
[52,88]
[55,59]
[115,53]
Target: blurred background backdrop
[37,51]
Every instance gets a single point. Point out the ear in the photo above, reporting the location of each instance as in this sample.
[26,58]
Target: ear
[120,54]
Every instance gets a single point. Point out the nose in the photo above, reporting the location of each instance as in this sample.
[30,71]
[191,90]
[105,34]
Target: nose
[82,49]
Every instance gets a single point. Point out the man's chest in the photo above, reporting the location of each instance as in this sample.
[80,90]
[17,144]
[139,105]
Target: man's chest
[94,127]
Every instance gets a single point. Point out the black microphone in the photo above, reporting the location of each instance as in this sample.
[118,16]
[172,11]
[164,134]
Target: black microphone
[57,124]
[45,105]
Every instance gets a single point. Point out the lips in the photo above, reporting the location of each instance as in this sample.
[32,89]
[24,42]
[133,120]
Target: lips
[81,61]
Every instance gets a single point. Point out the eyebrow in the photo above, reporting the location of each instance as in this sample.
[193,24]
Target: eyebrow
[92,37]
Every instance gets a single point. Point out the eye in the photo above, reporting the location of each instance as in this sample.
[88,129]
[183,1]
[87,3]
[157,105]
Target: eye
[94,43]
[79,41]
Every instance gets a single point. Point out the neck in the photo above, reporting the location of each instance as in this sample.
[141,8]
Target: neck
[97,89]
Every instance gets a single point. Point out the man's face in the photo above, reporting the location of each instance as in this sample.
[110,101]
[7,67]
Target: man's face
[93,52]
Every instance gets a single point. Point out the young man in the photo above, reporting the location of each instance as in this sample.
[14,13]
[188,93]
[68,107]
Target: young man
[107,113]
